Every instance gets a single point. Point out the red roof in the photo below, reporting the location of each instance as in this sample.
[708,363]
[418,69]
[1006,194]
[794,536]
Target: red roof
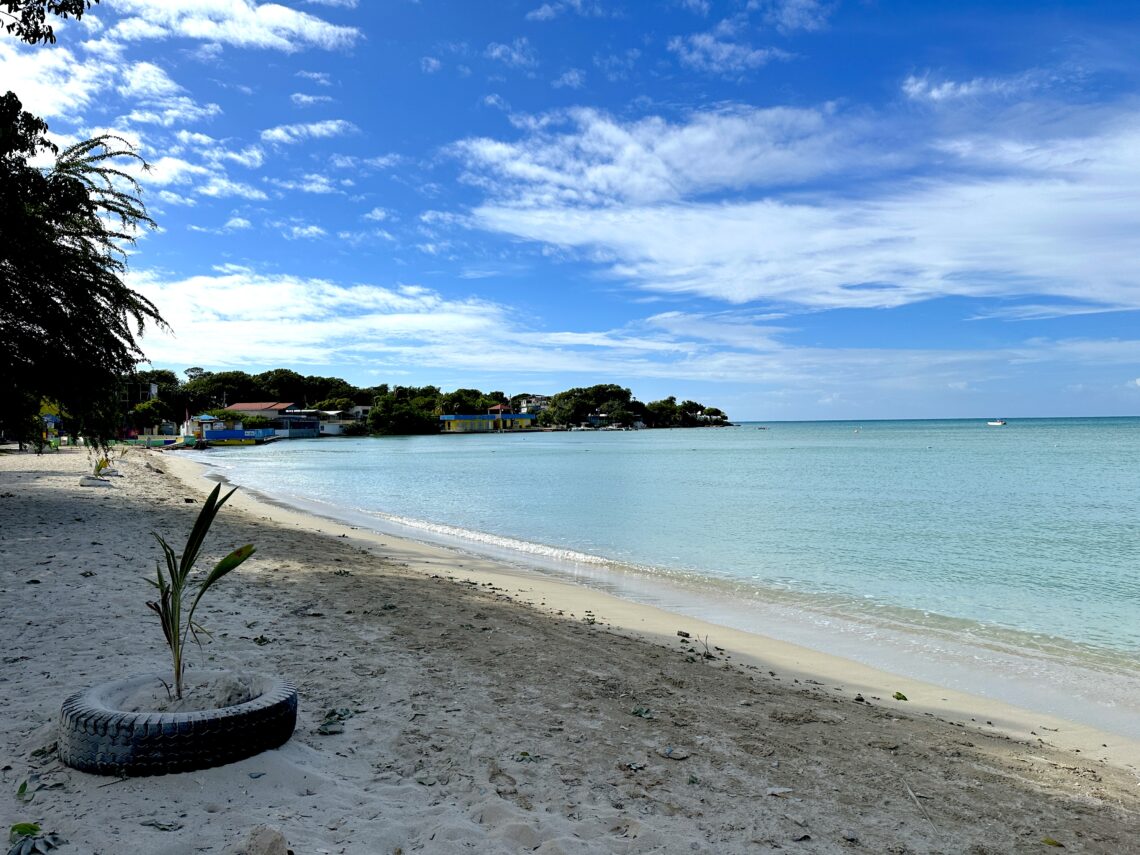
[264,405]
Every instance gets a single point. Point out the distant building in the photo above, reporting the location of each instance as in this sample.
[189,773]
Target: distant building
[268,409]
[488,423]
[534,404]
[287,419]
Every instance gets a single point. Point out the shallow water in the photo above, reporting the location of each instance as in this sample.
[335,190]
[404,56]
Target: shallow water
[945,542]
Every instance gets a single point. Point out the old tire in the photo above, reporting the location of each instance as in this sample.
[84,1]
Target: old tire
[95,737]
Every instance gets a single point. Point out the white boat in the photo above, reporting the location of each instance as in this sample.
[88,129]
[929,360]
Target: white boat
[996,422]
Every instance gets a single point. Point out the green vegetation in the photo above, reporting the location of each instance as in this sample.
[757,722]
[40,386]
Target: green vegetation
[67,320]
[405,410]
[173,585]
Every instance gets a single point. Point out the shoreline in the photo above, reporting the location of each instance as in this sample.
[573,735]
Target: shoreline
[483,708]
[659,625]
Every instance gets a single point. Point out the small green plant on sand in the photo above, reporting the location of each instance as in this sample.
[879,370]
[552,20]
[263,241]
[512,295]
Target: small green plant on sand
[173,586]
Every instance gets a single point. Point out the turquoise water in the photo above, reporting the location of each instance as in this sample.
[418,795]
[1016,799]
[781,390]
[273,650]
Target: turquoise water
[1020,537]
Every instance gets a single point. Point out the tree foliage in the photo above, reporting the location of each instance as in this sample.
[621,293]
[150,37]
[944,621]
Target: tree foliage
[28,21]
[406,410]
[68,323]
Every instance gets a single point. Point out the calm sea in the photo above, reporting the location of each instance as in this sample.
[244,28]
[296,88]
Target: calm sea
[995,559]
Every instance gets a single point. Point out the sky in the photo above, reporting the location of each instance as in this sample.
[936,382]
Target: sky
[789,209]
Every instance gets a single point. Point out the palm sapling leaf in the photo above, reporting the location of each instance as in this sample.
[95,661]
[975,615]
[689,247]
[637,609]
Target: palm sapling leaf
[172,585]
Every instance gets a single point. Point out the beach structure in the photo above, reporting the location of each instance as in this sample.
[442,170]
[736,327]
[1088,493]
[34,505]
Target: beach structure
[289,420]
[498,419]
[215,431]
[336,422]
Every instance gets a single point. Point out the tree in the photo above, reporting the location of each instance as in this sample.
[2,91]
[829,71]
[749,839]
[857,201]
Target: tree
[149,413]
[281,384]
[334,404]
[28,18]
[406,410]
[662,413]
[67,321]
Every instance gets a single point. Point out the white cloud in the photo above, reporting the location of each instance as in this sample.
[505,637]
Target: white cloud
[171,198]
[233,224]
[146,80]
[575,78]
[269,320]
[790,15]
[518,54]
[378,215]
[545,12]
[219,186]
[319,77]
[597,160]
[293,320]
[1053,220]
[290,134]
[171,170]
[173,111]
[700,7]
[214,152]
[53,82]
[430,65]
[302,100]
[304,232]
[309,183]
[549,11]
[721,52]
[239,23]
[924,89]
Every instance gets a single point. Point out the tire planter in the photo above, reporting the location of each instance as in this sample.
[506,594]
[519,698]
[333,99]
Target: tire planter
[96,737]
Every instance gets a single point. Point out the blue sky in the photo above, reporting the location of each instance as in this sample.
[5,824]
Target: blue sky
[785,208]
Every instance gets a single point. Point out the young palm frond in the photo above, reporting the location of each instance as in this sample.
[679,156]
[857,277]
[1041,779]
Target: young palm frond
[172,586]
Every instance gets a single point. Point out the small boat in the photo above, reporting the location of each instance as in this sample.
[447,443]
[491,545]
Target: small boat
[996,422]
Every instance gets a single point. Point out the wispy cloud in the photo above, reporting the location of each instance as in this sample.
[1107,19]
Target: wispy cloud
[309,183]
[574,78]
[551,10]
[518,54]
[300,99]
[925,88]
[584,156]
[790,15]
[319,77]
[1048,223]
[303,231]
[240,23]
[291,134]
[723,51]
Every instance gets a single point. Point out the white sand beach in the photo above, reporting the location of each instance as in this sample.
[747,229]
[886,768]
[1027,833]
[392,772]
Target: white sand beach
[493,710]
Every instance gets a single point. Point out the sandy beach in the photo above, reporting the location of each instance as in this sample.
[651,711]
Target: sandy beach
[488,709]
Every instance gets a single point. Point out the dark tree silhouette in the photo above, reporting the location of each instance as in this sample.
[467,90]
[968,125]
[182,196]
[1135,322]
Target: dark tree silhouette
[67,321]
[28,21]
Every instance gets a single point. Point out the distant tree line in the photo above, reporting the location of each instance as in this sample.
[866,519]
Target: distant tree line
[398,410]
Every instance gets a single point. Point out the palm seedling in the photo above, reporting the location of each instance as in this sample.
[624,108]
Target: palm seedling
[173,585]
